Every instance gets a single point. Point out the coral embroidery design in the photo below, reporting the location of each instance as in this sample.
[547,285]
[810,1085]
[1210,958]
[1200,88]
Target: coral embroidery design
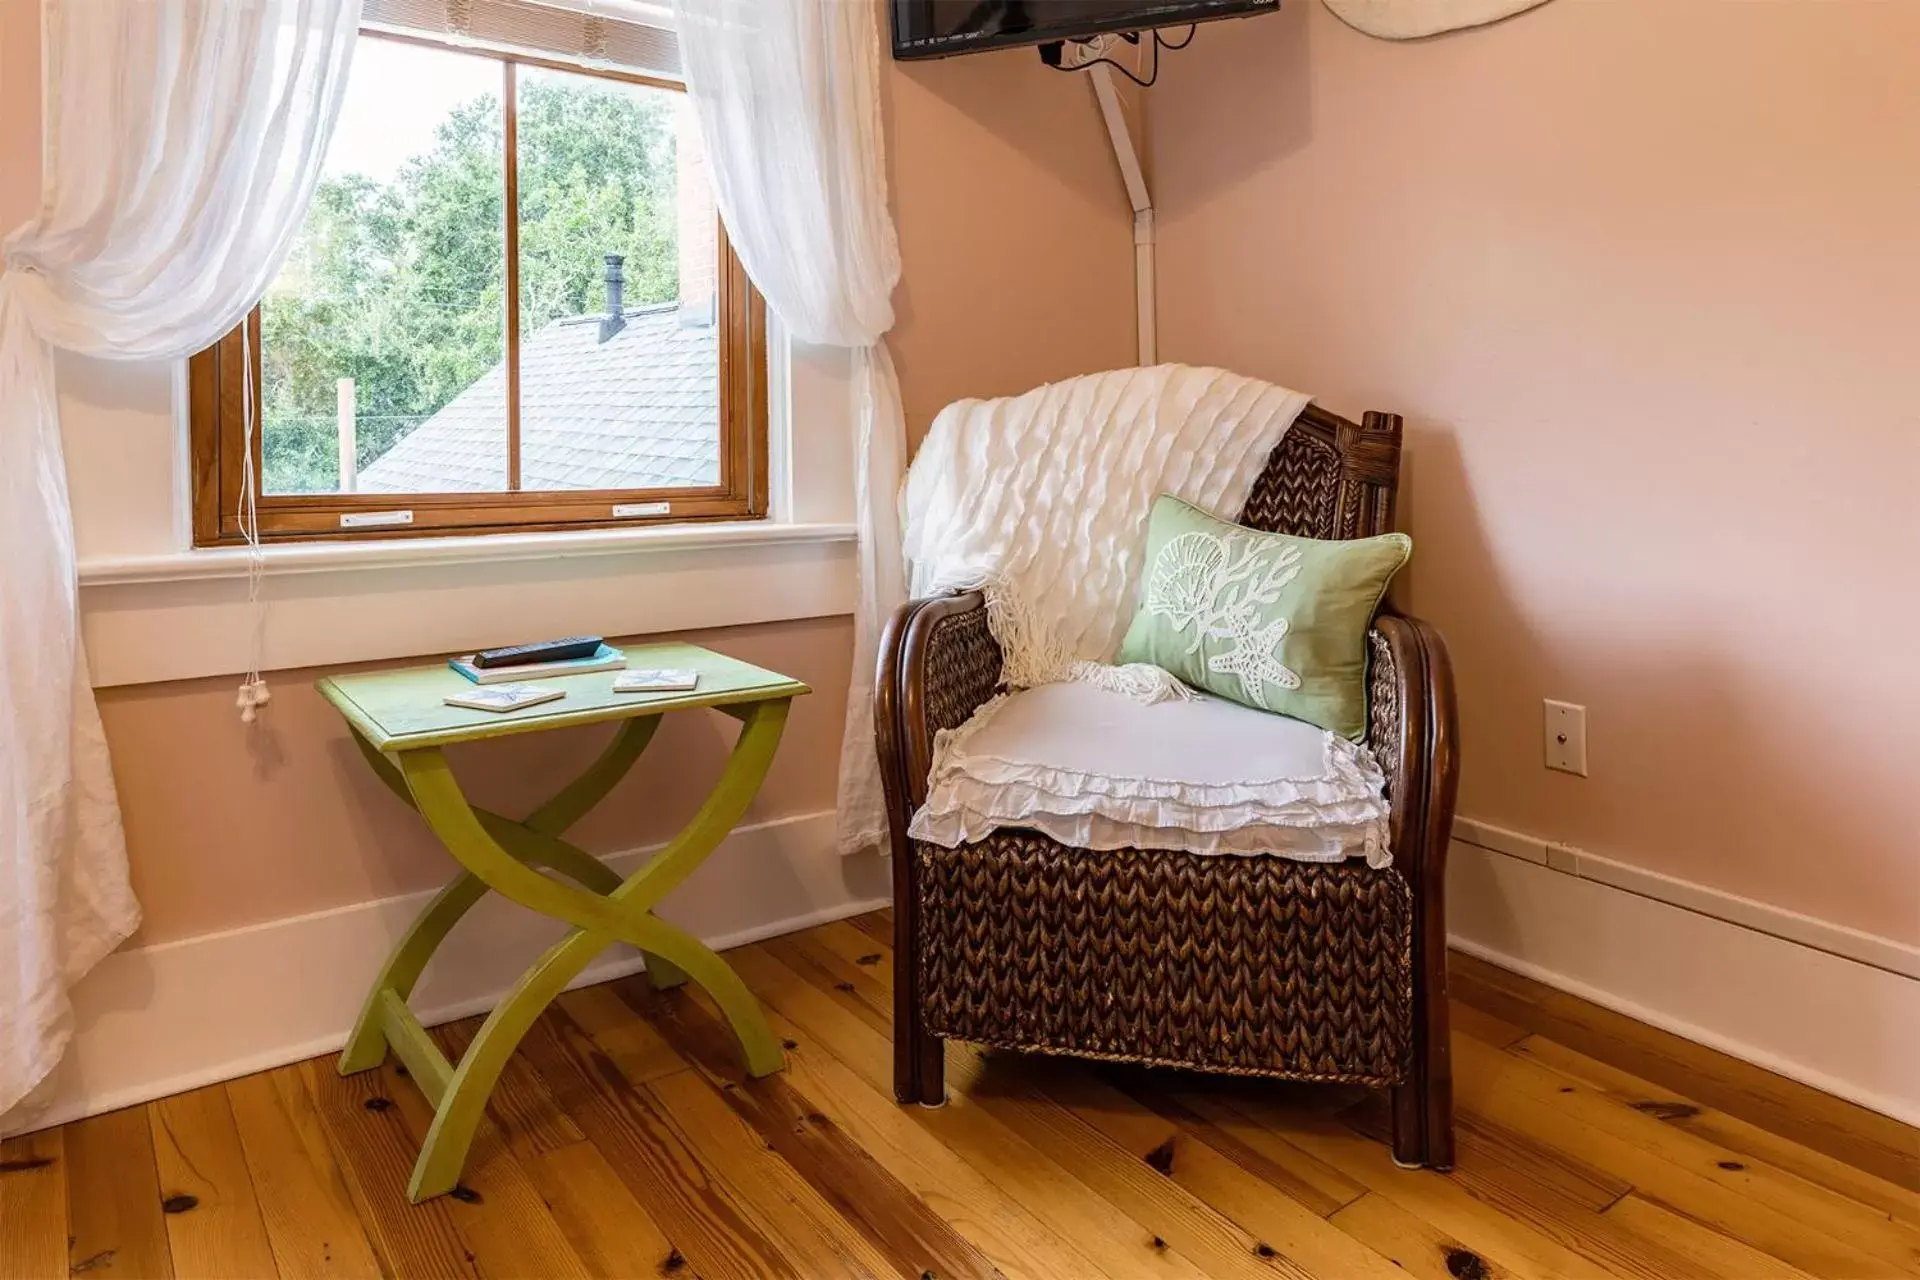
[1218,586]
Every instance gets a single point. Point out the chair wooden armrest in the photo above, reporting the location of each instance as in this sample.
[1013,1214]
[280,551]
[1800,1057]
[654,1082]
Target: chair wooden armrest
[1413,729]
[938,664]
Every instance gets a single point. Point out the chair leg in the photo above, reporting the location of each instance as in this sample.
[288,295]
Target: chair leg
[1434,1036]
[1436,1073]
[907,1032]
[1439,1118]
[1408,1104]
[1423,1103]
[919,1058]
[1422,1109]
[932,1052]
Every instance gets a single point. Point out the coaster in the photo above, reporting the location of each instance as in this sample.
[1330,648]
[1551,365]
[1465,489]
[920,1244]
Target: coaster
[504,697]
[656,680]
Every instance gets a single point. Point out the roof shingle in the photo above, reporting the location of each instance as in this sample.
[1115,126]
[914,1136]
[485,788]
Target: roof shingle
[638,411]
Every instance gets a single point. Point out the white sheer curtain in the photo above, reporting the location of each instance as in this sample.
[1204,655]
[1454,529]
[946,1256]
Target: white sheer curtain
[183,140]
[788,96]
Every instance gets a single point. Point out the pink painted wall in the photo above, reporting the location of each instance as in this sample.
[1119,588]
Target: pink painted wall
[227,829]
[1644,277]
[1016,242]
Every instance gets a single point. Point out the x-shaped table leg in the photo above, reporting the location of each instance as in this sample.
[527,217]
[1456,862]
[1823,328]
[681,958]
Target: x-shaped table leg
[503,855]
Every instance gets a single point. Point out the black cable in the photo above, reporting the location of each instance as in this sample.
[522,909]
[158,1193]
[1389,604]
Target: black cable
[1133,37]
[1144,84]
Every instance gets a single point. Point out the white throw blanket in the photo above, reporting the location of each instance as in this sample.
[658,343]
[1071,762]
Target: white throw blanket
[1042,501]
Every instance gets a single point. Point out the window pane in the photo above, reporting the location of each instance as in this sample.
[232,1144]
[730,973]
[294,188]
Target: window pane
[619,364]
[390,312]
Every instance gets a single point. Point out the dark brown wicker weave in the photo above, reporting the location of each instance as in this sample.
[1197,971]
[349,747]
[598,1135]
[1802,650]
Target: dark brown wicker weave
[1249,965]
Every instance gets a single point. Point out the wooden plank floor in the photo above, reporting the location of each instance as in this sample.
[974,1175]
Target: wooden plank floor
[624,1141]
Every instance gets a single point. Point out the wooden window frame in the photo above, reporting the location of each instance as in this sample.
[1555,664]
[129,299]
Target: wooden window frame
[218,383]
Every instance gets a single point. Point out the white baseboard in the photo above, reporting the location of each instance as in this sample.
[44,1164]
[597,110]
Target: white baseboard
[162,1019]
[1751,980]
[1842,1025]
[1822,935]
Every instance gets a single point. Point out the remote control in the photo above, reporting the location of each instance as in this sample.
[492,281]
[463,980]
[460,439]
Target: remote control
[543,651]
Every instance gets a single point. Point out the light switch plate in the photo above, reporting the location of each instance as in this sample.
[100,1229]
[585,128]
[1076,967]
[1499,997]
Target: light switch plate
[1566,737]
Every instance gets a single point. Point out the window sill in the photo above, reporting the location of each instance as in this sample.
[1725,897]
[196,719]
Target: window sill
[335,557]
[184,615]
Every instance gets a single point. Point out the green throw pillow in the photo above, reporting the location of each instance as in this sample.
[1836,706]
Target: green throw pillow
[1265,619]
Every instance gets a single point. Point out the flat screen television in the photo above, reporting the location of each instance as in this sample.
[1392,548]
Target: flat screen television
[938,28]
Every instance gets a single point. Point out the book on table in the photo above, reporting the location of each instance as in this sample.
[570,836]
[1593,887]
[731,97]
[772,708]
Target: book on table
[607,659]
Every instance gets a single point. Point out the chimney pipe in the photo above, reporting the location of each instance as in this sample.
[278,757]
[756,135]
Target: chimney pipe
[616,318]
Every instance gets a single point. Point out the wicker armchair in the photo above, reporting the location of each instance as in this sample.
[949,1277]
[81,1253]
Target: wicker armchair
[1256,966]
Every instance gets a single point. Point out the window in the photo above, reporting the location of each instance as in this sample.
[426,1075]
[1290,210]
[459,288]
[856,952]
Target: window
[511,306]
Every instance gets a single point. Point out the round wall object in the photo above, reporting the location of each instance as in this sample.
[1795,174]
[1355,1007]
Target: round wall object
[1411,19]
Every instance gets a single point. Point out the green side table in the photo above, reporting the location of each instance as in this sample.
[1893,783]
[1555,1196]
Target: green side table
[401,723]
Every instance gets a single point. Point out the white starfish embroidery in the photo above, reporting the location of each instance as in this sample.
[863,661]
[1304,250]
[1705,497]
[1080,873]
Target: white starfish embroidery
[1219,585]
[1255,657]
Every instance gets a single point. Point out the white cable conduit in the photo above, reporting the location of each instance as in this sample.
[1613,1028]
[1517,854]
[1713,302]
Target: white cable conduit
[1108,96]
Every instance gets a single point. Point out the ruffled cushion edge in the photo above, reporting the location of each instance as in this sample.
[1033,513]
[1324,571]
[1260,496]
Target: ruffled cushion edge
[973,795]
[1348,772]
[1012,799]
[1328,843]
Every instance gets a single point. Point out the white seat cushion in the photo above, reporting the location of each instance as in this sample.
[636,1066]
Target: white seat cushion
[1099,770]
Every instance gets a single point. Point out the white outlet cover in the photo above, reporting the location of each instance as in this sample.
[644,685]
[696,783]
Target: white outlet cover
[1565,737]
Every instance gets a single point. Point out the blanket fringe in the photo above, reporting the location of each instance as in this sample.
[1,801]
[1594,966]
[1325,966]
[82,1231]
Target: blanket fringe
[1140,681]
[1035,656]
